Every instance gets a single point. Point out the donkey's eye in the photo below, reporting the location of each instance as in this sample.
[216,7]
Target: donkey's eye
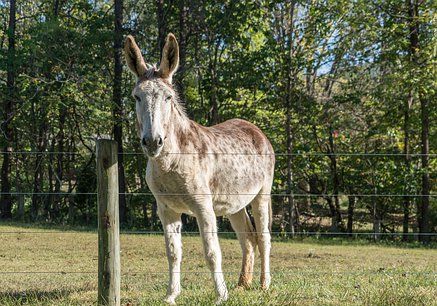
[168,98]
[137,98]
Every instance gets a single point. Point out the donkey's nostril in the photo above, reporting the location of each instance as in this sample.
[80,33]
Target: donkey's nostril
[159,141]
[143,141]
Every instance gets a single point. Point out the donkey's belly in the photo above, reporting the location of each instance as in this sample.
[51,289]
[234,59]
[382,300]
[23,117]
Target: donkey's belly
[230,199]
[231,204]
[177,205]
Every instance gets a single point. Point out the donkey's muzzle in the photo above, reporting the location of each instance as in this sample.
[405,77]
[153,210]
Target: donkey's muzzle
[152,145]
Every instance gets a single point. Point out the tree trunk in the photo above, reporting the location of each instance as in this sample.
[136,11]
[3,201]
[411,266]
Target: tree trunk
[214,116]
[407,161]
[68,166]
[154,216]
[414,41]
[334,216]
[183,37]
[350,214]
[335,180]
[37,187]
[376,220]
[20,208]
[49,199]
[290,194]
[56,7]
[423,213]
[423,207]
[5,197]
[424,227]
[59,162]
[162,26]
[292,222]
[41,146]
[214,112]
[118,106]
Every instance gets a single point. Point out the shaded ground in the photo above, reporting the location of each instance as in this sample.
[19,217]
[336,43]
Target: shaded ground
[309,272]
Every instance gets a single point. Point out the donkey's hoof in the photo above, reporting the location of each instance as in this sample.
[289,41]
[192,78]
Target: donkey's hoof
[244,282]
[221,299]
[170,300]
[265,282]
[243,286]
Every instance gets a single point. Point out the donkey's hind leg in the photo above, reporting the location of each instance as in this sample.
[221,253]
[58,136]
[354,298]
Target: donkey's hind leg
[246,235]
[262,214]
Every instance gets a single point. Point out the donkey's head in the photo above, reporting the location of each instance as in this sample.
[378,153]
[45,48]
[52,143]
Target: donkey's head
[153,92]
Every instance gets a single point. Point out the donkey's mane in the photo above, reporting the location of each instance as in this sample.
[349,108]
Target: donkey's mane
[180,107]
[150,71]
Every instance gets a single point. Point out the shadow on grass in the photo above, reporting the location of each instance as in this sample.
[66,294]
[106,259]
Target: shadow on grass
[48,226]
[36,297]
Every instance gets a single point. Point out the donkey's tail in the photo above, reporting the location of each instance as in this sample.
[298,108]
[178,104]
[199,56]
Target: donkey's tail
[250,226]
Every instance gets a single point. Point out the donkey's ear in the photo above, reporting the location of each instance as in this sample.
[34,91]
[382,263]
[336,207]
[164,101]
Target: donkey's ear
[170,58]
[133,56]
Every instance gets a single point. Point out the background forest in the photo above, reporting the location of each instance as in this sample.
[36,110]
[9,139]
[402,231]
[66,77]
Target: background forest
[345,91]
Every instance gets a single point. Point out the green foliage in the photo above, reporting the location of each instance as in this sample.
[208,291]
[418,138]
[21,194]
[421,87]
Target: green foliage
[345,68]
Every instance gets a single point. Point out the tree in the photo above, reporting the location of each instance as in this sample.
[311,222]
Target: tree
[325,81]
[413,14]
[118,105]
[6,125]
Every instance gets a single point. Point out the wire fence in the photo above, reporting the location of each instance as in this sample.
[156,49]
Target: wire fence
[298,272]
[297,193]
[379,154]
[229,194]
[233,233]
[294,193]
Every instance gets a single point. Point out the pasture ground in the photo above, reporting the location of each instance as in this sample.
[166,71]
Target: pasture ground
[304,272]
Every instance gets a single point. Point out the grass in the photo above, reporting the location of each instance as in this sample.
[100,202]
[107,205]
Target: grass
[307,272]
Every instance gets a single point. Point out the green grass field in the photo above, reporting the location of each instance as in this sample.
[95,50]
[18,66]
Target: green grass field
[308,272]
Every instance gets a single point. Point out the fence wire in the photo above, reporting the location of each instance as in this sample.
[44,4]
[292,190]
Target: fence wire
[298,272]
[229,194]
[229,233]
[433,155]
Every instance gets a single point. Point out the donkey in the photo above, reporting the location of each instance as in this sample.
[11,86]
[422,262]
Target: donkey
[201,171]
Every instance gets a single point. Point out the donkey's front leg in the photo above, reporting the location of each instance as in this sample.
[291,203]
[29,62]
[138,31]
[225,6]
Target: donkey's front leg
[207,222]
[171,222]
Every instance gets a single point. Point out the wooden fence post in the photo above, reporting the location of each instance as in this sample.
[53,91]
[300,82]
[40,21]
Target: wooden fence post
[108,223]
